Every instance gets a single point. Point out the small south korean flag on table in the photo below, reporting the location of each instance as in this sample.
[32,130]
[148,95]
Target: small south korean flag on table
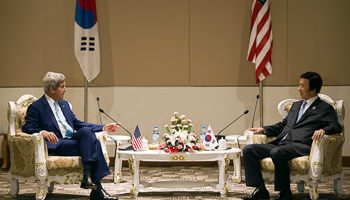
[210,141]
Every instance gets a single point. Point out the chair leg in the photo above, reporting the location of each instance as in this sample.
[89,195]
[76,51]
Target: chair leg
[300,187]
[14,187]
[313,188]
[51,187]
[337,185]
[42,190]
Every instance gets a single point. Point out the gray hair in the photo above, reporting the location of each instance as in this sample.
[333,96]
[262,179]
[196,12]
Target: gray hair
[52,79]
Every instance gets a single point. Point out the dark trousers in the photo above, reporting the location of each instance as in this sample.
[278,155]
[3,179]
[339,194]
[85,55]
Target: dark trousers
[280,154]
[85,144]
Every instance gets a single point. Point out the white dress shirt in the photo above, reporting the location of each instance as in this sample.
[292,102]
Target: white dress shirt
[52,106]
[308,103]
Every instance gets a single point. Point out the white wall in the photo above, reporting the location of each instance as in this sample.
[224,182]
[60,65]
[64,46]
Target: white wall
[154,106]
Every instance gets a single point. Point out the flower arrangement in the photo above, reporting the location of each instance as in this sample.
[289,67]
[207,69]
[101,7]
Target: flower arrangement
[179,137]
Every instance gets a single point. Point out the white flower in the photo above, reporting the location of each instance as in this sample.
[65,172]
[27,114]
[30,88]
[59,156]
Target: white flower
[176,134]
[187,142]
[183,134]
[172,139]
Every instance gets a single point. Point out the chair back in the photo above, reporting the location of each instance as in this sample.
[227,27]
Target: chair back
[338,106]
[17,111]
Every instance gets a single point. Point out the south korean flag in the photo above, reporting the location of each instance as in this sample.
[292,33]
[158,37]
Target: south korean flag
[210,141]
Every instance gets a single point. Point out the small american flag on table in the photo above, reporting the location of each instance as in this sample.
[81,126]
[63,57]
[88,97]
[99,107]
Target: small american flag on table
[136,139]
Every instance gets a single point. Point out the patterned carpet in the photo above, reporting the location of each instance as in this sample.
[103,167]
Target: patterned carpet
[183,173]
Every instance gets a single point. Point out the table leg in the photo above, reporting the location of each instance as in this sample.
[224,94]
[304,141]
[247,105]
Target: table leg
[117,165]
[134,170]
[222,164]
[237,176]
[136,178]
[117,169]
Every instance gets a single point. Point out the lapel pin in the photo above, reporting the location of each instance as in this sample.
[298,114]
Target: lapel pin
[63,106]
[313,108]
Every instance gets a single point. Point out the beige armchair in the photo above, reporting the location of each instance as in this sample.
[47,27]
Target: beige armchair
[323,164]
[29,158]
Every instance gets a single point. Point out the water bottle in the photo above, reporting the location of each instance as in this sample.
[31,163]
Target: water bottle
[155,135]
[203,132]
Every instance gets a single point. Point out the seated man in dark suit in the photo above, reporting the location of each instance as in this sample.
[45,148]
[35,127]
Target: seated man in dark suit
[52,117]
[309,119]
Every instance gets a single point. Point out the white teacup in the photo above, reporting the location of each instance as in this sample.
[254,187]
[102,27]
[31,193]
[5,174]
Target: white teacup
[144,144]
[222,144]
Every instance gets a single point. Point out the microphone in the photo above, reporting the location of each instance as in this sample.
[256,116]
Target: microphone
[256,103]
[245,112]
[123,147]
[102,111]
[98,101]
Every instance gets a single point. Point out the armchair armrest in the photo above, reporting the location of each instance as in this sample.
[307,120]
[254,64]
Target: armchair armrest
[257,138]
[326,157]
[249,136]
[11,116]
[102,136]
[28,156]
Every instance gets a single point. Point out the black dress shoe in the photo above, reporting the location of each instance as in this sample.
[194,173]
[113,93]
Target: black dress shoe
[102,195]
[284,195]
[257,194]
[87,183]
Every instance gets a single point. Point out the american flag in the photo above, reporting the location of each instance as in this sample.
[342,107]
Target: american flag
[136,139]
[260,44]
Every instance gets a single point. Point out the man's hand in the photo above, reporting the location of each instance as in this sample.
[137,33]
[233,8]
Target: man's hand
[50,136]
[112,127]
[318,135]
[256,130]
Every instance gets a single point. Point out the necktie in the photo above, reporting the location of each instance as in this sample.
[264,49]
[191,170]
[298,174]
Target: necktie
[69,132]
[301,112]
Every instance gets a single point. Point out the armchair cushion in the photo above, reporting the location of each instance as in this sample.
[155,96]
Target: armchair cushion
[20,118]
[61,165]
[297,166]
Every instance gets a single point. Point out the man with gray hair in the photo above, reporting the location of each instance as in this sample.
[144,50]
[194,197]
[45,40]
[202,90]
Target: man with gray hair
[65,135]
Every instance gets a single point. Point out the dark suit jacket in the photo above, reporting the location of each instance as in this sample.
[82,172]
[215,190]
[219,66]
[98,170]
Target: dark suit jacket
[320,115]
[40,117]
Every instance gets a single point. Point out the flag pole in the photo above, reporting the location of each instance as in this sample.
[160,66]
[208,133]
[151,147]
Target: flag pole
[261,105]
[85,99]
